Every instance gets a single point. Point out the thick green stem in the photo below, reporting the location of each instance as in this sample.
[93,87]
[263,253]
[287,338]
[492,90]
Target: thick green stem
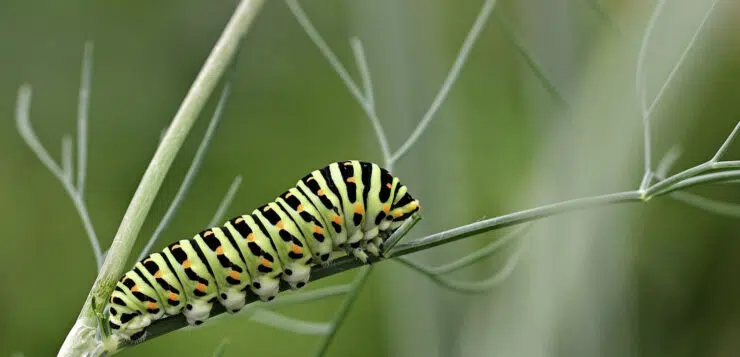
[79,339]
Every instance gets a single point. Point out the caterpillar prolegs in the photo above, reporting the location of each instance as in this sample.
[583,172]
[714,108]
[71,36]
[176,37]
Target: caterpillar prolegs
[346,207]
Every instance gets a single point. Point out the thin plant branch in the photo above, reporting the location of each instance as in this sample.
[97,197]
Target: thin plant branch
[326,51]
[710,164]
[23,124]
[83,107]
[536,69]
[703,203]
[599,9]
[452,75]
[81,338]
[366,100]
[282,322]
[371,112]
[680,61]
[480,253]
[67,148]
[640,86]
[225,201]
[726,144]
[707,204]
[396,237]
[475,287]
[364,69]
[192,170]
[344,309]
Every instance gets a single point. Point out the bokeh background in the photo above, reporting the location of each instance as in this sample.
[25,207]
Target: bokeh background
[654,279]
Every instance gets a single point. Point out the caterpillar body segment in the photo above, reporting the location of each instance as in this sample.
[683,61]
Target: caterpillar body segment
[345,208]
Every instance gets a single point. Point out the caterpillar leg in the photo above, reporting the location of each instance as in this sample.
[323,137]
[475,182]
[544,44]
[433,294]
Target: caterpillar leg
[265,288]
[233,299]
[373,247]
[197,311]
[297,275]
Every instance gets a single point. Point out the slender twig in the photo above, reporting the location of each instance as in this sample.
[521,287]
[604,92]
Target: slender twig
[341,315]
[192,170]
[225,201]
[80,340]
[531,62]
[726,144]
[481,253]
[680,61]
[82,115]
[707,204]
[364,69]
[325,50]
[640,86]
[464,287]
[452,75]
[67,148]
[599,9]
[396,237]
[512,219]
[23,123]
[282,322]
[370,101]
[703,203]
[366,99]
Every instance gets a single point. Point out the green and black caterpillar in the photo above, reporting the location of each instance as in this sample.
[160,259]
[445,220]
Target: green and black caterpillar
[347,207]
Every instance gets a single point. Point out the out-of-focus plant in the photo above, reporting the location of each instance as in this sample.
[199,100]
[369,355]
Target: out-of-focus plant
[85,337]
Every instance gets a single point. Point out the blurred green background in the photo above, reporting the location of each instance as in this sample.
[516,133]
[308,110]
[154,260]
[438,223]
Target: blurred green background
[655,279]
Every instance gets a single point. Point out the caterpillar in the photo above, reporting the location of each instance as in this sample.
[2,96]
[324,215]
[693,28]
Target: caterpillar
[345,208]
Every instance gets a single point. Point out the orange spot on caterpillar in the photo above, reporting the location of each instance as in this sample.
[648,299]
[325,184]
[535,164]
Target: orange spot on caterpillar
[337,220]
[151,305]
[176,246]
[398,214]
[388,185]
[186,264]
[266,263]
[280,225]
[296,249]
[135,288]
[173,297]
[320,192]
[239,220]
[250,237]
[300,208]
[351,179]
[386,208]
[348,163]
[220,250]
[359,209]
[158,274]
[317,229]
[207,233]
[234,274]
[201,287]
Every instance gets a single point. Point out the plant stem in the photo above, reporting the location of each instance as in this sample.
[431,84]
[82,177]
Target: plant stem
[195,100]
